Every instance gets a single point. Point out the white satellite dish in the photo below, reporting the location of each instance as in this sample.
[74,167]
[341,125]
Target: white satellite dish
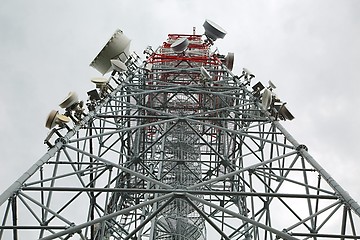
[205,73]
[180,45]
[118,65]
[55,118]
[70,100]
[117,47]
[229,61]
[213,31]
[99,81]
[247,73]
[271,85]
[266,98]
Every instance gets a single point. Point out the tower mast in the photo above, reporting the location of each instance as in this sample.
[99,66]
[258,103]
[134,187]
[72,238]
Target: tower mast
[175,147]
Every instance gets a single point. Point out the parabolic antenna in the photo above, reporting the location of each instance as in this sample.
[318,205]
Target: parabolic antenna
[266,98]
[55,118]
[205,73]
[248,73]
[213,31]
[180,45]
[69,100]
[62,118]
[229,61]
[117,47]
[99,81]
[118,65]
[272,85]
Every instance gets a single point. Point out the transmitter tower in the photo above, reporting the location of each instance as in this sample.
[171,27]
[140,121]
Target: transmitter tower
[175,147]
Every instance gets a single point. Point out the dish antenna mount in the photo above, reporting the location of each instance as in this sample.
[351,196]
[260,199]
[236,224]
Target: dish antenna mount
[116,48]
[213,31]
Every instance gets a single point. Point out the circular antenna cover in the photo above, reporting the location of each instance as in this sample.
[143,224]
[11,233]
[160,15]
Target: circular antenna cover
[62,118]
[229,61]
[51,119]
[69,100]
[180,45]
[213,31]
[117,47]
[118,65]
[99,80]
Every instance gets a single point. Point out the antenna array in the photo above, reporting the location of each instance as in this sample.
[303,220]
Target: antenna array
[175,147]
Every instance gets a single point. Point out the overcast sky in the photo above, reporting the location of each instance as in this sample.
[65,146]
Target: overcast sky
[310,49]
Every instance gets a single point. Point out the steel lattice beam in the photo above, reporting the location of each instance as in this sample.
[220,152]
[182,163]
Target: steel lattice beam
[176,147]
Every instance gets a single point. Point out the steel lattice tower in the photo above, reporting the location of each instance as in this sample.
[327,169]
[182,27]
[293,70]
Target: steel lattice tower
[175,147]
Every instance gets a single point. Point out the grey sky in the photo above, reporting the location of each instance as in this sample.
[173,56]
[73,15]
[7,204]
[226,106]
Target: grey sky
[309,49]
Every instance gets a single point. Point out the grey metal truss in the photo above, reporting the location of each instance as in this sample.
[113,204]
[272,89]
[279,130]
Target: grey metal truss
[167,154]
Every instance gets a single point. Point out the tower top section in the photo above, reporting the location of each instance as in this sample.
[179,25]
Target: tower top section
[193,49]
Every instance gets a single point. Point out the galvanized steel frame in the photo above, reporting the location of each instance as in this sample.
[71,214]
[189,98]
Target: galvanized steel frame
[106,177]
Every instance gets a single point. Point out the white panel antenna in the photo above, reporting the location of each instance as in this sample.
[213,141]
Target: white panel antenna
[266,98]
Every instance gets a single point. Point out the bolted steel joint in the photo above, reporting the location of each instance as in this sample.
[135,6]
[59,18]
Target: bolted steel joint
[302,146]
